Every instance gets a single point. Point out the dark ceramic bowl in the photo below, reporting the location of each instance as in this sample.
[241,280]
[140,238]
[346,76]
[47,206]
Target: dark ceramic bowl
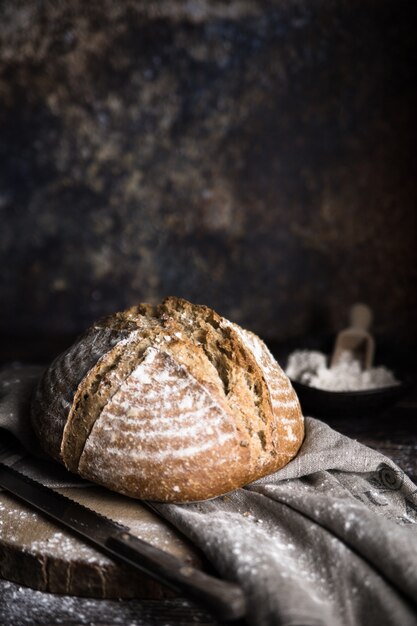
[322,403]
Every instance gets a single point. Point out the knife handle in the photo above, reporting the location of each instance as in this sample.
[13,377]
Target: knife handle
[224,599]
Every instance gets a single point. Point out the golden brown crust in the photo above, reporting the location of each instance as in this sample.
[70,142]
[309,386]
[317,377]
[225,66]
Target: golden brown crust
[180,405]
[244,386]
[287,425]
[143,458]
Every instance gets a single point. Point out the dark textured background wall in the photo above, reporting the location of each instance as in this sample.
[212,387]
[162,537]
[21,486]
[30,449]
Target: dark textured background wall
[254,156]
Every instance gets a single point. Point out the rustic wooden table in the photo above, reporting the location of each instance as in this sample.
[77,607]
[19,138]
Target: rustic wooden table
[393,432]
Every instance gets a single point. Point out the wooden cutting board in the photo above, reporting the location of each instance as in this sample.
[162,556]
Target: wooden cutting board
[38,553]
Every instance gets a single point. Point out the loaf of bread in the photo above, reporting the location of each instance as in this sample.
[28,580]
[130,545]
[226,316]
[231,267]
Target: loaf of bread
[169,403]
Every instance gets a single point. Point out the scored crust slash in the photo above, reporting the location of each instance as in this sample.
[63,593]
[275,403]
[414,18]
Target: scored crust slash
[170,403]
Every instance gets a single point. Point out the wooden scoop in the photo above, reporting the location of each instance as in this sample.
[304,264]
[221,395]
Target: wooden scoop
[356,339]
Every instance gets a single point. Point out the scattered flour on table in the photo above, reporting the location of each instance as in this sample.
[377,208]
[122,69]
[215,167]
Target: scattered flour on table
[22,606]
[311,368]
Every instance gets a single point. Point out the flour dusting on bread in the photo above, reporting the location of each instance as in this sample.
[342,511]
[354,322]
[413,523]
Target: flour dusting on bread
[198,442]
[169,402]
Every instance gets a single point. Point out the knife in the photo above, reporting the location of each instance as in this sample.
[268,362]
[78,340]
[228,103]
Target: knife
[222,598]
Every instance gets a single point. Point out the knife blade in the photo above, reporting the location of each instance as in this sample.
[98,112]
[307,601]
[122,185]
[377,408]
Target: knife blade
[222,598]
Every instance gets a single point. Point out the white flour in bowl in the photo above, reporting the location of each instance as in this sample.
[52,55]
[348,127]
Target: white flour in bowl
[311,368]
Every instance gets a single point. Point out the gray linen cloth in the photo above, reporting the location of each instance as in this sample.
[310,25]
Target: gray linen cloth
[331,539]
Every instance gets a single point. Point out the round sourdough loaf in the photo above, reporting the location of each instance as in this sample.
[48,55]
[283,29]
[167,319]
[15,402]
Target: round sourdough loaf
[170,403]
